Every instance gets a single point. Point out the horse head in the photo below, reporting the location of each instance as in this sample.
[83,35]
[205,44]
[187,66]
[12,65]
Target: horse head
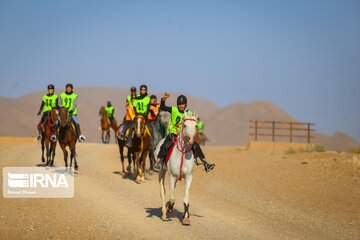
[54,115]
[189,128]
[140,125]
[64,117]
[102,111]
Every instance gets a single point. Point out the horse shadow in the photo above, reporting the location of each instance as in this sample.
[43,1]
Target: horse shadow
[126,175]
[157,212]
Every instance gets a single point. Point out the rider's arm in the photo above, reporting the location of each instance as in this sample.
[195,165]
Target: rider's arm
[57,103]
[152,113]
[41,106]
[74,106]
[163,107]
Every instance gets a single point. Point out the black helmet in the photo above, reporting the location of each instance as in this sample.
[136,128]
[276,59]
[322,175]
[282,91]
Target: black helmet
[143,86]
[153,97]
[108,103]
[133,89]
[51,86]
[181,100]
[69,85]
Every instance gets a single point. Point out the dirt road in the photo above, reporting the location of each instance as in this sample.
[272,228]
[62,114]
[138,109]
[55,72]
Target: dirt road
[249,195]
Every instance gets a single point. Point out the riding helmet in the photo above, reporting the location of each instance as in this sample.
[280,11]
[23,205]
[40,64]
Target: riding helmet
[181,100]
[51,86]
[143,86]
[133,89]
[69,85]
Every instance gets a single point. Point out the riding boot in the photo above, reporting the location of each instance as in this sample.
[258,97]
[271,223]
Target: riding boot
[39,137]
[162,153]
[129,138]
[78,132]
[198,153]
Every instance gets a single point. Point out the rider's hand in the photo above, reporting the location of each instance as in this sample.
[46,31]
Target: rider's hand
[166,95]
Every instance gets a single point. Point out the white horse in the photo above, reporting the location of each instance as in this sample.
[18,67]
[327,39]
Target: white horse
[180,165]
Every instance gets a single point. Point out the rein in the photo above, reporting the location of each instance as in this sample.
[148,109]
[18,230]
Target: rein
[183,145]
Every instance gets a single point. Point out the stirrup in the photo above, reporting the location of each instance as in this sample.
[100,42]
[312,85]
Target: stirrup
[53,138]
[209,167]
[82,138]
[157,166]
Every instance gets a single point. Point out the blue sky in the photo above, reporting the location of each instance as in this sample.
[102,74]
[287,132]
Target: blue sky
[303,56]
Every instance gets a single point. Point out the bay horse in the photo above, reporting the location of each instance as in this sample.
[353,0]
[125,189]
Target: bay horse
[130,157]
[106,124]
[67,137]
[180,164]
[46,143]
[140,146]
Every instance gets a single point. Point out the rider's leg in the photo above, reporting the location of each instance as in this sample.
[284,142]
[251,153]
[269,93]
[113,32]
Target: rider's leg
[123,130]
[198,153]
[41,125]
[163,151]
[129,137]
[78,131]
[56,128]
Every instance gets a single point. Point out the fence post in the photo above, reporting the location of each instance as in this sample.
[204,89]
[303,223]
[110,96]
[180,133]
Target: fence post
[291,126]
[256,130]
[308,135]
[273,131]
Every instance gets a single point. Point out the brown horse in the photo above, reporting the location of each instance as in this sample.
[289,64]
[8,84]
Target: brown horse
[106,123]
[67,137]
[46,143]
[201,138]
[121,144]
[140,146]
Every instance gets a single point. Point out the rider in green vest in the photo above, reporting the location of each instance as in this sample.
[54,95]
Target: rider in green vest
[109,109]
[48,102]
[68,101]
[128,116]
[177,117]
[200,126]
[141,106]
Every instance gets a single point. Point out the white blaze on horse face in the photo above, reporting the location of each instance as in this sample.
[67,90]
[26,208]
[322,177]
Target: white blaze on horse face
[138,127]
[190,129]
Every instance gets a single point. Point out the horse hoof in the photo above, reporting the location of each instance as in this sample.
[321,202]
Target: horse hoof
[186,221]
[165,219]
[43,159]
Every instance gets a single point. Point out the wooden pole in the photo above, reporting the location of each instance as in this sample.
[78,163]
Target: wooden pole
[273,131]
[256,130]
[291,126]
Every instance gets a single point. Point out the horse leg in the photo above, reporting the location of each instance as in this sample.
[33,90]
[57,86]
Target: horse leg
[161,175]
[42,149]
[170,204]
[137,171]
[107,136]
[121,150]
[48,151]
[143,162]
[73,156]
[53,148]
[186,216]
[63,148]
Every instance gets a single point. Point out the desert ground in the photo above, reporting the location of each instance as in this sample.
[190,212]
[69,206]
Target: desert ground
[250,194]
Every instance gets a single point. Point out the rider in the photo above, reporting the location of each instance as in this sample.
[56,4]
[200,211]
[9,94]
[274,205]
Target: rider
[141,106]
[68,101]
[176,119]
[49,101]
[151,122]
[109,109]
[130,113]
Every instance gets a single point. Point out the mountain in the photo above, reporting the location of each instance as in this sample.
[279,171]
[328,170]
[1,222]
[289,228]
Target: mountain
[223,126]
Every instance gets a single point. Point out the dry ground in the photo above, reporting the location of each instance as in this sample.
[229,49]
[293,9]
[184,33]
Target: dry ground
[249,195]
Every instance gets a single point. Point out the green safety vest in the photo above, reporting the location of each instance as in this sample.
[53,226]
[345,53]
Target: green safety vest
[141,105]
[176,120]
[49,102]
[109,110]
[128,98]
[200,126]
[67,101]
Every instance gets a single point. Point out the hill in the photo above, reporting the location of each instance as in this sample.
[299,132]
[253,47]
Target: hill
[223,126]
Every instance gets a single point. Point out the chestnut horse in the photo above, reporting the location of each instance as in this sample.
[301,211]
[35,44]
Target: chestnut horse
[46,143]
[105,126]
[67,137]
[140,146]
